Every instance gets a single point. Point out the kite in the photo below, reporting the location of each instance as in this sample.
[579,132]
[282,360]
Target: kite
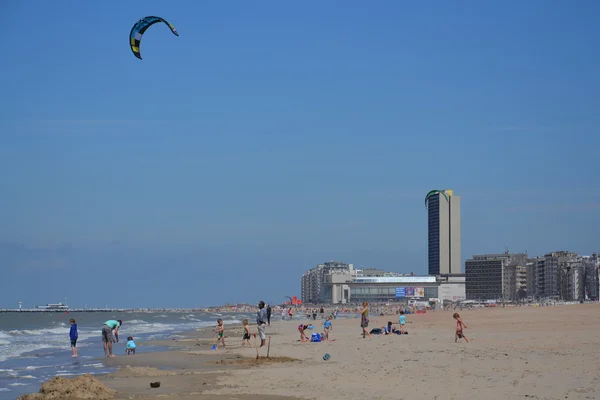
[135,36]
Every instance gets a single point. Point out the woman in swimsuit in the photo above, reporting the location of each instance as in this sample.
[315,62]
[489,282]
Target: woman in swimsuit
[459,328]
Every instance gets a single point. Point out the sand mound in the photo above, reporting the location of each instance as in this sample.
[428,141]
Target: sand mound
[255,361]
[128,372]
[81,387]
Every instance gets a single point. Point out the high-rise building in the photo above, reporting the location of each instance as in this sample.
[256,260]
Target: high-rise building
[496,276]
[443,210]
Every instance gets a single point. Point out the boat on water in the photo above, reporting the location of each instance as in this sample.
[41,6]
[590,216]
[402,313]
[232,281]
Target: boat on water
[57,306]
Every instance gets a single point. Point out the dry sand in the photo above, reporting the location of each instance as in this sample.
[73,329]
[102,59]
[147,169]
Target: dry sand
[514,353]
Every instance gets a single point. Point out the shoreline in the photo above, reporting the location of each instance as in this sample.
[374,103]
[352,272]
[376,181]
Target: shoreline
[513,352]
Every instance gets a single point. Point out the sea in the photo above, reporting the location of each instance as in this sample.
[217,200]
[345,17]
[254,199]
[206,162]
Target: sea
[35,346]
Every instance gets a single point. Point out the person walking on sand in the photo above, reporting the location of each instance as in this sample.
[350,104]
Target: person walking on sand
[261,322]
[459,329]
[364,319]
[269,314]
[107,335]
[73,335]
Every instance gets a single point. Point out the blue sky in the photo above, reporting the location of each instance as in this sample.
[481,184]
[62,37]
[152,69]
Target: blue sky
[271,136]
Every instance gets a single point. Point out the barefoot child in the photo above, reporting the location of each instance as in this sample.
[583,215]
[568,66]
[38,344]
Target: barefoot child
[327,327]
[402,320]
[220,331]
[301,329]
[459,328]
[73,335]
[246,337]
[130,348]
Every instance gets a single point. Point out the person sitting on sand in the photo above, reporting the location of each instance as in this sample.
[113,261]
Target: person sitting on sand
[130,347]
[459,328]
[301,329]
[246,337]
[388,329]
[327,327]
[220,331]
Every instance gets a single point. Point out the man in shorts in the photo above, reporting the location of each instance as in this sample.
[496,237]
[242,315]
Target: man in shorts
[107,335]
[261,322]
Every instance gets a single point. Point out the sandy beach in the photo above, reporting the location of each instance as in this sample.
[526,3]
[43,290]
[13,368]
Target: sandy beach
[516,352]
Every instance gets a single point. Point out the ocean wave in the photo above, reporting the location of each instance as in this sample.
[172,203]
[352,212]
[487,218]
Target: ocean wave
[95,365]
[135,321]
[21,342]
[5,390]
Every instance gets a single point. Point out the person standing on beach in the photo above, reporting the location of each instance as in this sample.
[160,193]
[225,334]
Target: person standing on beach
[107,335]
[261,322]
[364,319]
[73,335]
[327,327]
[402,320]
[220,332]
[283,313]
[269,314]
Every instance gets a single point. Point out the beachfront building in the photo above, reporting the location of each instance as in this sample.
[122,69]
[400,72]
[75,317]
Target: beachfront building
[349,285]
[496,276]
[313,288]
[547,273]
[571,280]
[530,273]
[592,276]
[578,278]
[443,212]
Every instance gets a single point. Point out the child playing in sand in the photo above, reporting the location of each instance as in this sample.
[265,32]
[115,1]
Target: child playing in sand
[73,335]
[301,329]
[130,347]
[459,328]
[246,337]
[327,327]
[388,329]
[220,331]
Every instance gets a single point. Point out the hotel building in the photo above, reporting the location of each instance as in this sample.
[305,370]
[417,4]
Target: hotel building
[443,211]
